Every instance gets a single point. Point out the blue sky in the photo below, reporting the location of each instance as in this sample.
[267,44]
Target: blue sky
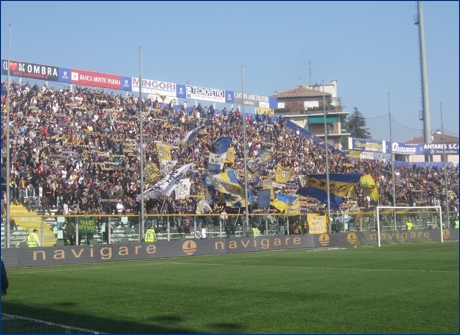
[370,48]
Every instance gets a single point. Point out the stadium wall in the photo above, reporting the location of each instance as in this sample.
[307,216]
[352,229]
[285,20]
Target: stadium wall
[31,257]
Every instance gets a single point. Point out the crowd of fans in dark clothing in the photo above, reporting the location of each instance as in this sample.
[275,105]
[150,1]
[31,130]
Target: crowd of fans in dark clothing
[78,151]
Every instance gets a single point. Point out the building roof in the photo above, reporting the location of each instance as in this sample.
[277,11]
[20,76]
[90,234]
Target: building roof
[436,138]
[300,92]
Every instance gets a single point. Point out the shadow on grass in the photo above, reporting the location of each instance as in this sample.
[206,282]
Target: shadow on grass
[167,324]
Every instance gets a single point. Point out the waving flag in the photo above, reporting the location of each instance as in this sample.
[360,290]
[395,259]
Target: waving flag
[282,201]
[367,183]
[221,145]
[256,176]
[228,184]
[192,133]
[282,175]
[167,185]
[339,185]
[265,155]
[164,152]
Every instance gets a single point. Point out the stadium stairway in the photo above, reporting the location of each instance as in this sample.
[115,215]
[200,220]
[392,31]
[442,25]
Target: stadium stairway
[29,221]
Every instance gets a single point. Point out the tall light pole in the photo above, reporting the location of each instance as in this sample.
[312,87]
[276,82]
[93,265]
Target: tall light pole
[141,152]
[327,163]
[425,95]
[445,171]
[8,158]
[244,153]
[392,161]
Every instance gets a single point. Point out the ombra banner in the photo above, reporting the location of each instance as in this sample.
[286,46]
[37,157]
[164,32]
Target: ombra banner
[30,70]
[82,77]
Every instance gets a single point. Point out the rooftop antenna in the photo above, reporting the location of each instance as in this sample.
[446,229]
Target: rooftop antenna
[309,67]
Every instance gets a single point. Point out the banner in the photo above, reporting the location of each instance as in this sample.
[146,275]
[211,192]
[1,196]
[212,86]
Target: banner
[64,75]
[164,152]
[283,175]
[268,185]
[360,154]
[217,159]
[30,70]
[264,110]
[339,186]
[251,100]
[166,167]
[204,93]
[293,207]
[86,225]
[440,148]
[183,189]
[167,185]
[154,86]
[369,145]
[82,77]
[263,198]
[317,224]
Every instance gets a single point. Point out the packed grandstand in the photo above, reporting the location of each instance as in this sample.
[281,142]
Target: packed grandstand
[79,148]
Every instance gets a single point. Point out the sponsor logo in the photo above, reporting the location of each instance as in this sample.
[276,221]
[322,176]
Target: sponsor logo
[22,69]
[397,148]
[352,238]
[105,253]
[445,234]
[401,236]
[324,239]
[189,247]
[263,243]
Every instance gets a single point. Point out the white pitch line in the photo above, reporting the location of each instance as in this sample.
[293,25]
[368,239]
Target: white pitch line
[237,265]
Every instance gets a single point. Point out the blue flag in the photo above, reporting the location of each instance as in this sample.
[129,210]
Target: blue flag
[263,198]
[192,133]
[339,185]
[221,145]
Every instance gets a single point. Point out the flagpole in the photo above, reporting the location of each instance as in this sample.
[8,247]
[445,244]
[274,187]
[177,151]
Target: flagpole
[445,171]
[141,152]
[327,164]
[8,158]
[244,152]
[392,161]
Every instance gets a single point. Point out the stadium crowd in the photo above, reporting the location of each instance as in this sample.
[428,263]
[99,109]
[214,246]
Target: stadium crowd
[78,151]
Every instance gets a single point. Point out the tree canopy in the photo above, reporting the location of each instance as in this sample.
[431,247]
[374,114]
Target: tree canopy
[356,125]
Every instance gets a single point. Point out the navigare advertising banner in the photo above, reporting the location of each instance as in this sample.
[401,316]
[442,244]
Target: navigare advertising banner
[30,70]
[369,145]
[154,86]
[205,93]
[82,77]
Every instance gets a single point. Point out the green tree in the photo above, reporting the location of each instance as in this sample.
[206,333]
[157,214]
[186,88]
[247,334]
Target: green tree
[356,125]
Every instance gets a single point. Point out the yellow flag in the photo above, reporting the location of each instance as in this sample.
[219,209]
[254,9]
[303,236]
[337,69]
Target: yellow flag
[283,175]
[279,205]
[164,152]
[151,173]
[230,157]
[368,184]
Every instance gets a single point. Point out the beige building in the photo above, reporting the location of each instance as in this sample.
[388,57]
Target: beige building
[304,105]
[436,138]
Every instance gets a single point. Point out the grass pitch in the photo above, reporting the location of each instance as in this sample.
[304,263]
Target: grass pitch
[399,288]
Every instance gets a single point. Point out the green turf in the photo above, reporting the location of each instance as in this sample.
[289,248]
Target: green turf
[398,288]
